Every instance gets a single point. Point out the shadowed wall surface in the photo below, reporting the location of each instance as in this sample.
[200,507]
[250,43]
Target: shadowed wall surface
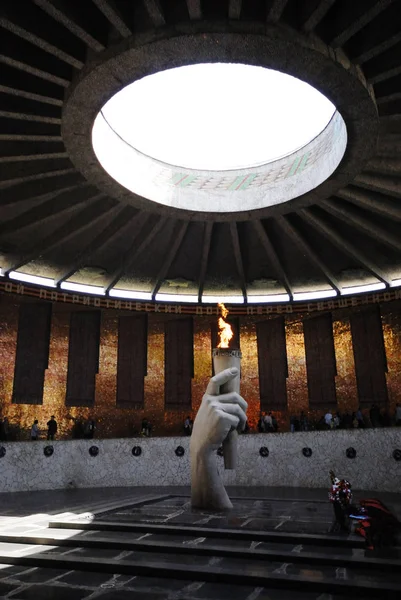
[115,421]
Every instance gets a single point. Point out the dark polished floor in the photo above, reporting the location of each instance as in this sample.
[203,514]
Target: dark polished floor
[147,543]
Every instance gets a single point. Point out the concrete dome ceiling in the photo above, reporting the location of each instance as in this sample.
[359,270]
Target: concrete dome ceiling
[63,218]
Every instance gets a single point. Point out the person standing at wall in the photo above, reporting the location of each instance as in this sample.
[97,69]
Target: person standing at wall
[328,419]
[51,428]
[187,426]
[146,428]
[398,414]
[340,495]
[268,421]
[303,419]
[35,430]
[359,417]
[89,429]
[4,429]
[374,415]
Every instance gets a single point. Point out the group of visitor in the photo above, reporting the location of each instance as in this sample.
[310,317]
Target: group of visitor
[4,429]
[355,420]
[51,429]
[300,423]
[369,518]
[188,426]
[146,428]
[83,428]
[7,433]
[267,423]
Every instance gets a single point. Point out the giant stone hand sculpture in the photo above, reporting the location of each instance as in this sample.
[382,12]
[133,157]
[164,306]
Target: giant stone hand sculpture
[217,416]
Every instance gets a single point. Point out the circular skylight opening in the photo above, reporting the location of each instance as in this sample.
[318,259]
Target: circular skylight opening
[218,116]
[219,138]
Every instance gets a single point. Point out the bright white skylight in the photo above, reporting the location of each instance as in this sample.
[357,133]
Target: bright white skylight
[218,116]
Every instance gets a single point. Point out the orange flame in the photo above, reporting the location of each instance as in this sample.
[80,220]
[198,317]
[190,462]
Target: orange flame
[225,332]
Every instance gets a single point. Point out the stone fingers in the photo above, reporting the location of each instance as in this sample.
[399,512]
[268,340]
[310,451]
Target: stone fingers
[234,410]
[233,398]
[218,380]
[231,421]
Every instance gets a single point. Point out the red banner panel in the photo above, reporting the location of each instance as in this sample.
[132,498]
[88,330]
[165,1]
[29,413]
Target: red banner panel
[83,358]
[320,361]
[272,363]
[132,360]
[369,356]
[32,354]
[178,363]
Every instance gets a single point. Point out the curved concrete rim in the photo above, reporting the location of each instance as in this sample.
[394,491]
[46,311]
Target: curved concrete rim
[279,49]
[222,191]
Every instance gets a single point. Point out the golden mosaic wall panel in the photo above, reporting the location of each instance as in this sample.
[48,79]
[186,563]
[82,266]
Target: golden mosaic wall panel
[121,422]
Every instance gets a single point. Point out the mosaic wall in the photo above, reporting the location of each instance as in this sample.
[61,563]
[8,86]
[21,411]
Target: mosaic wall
[117,422]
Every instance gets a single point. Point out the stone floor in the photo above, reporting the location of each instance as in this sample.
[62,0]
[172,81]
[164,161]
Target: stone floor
[147,543]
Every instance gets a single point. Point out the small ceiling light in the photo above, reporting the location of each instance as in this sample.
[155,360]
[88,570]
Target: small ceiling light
[223,299]
[130,294]
[80,287]
[268,298]
[317,295]
[32,279]
[360,289]
[176,298]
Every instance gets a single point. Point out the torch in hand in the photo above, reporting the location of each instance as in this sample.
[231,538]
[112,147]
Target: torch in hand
[227,358]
